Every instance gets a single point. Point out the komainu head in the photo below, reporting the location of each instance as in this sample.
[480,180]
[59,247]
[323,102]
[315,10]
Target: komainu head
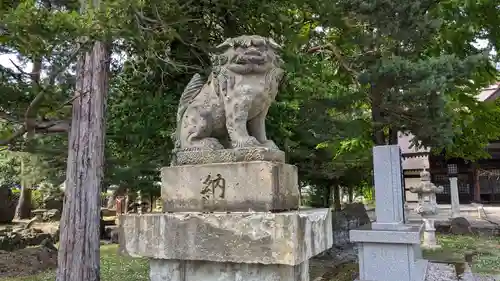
[248,54]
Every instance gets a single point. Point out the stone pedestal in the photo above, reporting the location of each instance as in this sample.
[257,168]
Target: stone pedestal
[427,207]
[186,246]
[430,241]
[288,238]
[175,270]
[229,221]
[388,249]
[198,157]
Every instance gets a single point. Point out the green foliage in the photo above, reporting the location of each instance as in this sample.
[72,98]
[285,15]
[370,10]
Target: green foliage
[37,199]
[395,50]
[367,192]
[455,247]
[49,191]
[357,72]
[31,167]
[413,82]
[475,125]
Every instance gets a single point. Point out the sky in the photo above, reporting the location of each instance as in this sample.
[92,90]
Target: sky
[5,62]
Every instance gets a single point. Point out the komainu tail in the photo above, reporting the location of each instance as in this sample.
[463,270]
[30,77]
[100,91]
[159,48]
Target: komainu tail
[192,89]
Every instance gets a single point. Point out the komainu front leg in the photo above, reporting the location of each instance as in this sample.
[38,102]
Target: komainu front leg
[257,128]
[196,131]
[236,122]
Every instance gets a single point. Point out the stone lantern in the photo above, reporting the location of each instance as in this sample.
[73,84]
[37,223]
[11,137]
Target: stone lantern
[427,207]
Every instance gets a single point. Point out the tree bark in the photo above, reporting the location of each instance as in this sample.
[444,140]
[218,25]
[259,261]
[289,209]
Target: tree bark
[78,258]
[23,208]
[327,198]
[350,191]
[337,206]
[377,117]
[393,136]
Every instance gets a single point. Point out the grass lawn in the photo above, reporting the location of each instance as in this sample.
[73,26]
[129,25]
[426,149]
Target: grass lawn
[454,248]
[113,268]
[118,268]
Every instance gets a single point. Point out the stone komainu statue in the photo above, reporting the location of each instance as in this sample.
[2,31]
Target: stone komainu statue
[229,110]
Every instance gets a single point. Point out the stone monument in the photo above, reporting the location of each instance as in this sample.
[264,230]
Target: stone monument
[427,207]
[388,249]
[455,199]
[230,200]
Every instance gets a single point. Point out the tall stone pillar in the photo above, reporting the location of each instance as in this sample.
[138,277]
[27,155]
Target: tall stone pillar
[389,249]
[231,202]
[455,201]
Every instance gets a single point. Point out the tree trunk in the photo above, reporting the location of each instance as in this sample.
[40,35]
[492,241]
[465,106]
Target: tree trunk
[350,191]
[327,198]
[337,206]
[378,113]
[78,258]
[23,208]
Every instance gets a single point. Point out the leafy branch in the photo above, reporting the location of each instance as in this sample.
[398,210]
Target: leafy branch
[43,126]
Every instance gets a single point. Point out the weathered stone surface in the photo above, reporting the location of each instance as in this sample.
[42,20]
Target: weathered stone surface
[52,215]
[174,270]
[229,110]
[242,186]
[11,239]
[288,238]
[197,157]
[460,226]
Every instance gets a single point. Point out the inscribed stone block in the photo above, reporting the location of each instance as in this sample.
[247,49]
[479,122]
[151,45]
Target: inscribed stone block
[241,186]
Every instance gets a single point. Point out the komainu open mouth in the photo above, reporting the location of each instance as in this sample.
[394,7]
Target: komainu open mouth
[250,59]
